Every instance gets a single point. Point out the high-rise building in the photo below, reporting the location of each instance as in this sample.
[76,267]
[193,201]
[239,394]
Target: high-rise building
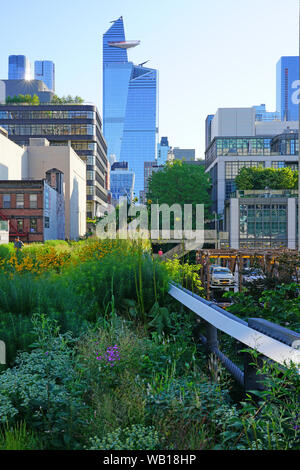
[258,114]
[130,102]
[239,141]
[163,150]
[287,88]
[77,125]
[208,122]
[184,154]
[18,68]
[121,182]
[45,70]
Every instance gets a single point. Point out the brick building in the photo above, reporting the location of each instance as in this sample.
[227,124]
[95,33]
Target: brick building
[34,208]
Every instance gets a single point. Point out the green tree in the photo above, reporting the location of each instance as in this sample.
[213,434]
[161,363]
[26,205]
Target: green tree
[22,99]
[35,100]
[67,99]
[261,178]
[181,183]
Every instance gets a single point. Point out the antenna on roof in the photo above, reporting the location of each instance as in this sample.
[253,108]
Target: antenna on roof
[143,63]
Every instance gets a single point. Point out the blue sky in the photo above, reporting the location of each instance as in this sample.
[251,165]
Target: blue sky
[210,54]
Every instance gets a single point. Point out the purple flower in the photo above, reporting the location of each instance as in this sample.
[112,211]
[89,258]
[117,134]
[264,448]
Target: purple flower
[110,356]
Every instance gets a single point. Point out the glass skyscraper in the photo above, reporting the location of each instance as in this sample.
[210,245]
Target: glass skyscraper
[45,70]
[130,102]
[121,182]
[287,88]
[163,149]
[18,68]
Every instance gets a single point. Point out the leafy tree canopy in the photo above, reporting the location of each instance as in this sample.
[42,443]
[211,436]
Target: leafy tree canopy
[180,183]
[23,99]
[67,99]
[262,178]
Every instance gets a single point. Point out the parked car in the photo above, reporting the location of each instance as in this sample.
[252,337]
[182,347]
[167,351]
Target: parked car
[220,276]
[253,275]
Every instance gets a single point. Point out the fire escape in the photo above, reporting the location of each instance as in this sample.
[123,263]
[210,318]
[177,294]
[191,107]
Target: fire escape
[13,227]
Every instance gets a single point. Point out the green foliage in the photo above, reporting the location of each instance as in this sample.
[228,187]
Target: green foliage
[281,306]
[133,276]
[25,294]
[18,437]
[17,334]
[185,274]
[261,178]
[28,99]
[179,183]
[184,409]
[44,389]
[66,99]
[135,377]
[6,250]
[56,243]
[268,422]
[136,437]
[119,392]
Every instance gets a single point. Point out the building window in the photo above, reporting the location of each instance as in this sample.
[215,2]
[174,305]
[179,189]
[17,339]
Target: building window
[47,222]
[6,201]
[20,201]
[265,224]
[232,169]
[33,225]
[20,225]
[33,201]
[46,199]
[90,175]
[90,190]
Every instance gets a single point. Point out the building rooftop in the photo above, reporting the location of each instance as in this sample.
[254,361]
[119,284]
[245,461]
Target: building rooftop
[264,193]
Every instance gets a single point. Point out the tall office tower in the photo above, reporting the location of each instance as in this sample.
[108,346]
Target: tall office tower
[163,149]
[130,102]
[19,68]
[45,70]
[287,88]
[77,125]
[208,122]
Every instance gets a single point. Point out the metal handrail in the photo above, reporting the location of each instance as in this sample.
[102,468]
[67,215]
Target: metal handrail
[218,319]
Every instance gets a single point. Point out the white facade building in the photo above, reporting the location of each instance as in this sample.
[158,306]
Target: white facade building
[32,163]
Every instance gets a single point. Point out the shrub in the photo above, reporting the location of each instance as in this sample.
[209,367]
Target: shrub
[136,437]
[266,420]
[280,306]
[185,274]
[6,250]
[183,409]
[17,334]
[184,398]
[43,389]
